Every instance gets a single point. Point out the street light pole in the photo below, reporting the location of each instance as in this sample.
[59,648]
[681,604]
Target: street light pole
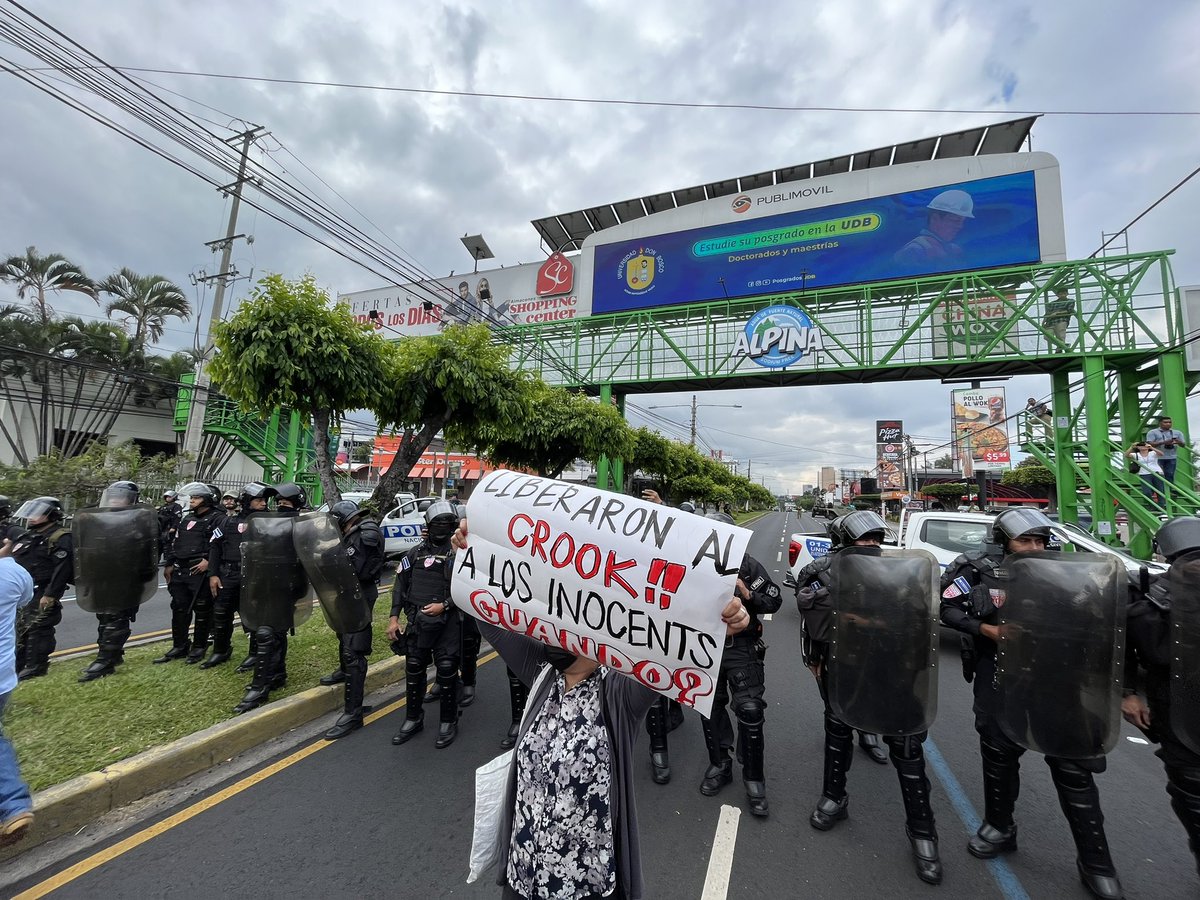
[694,405]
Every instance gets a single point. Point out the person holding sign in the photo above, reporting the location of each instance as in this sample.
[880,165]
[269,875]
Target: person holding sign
[742,679]
[433,627]
[569,823]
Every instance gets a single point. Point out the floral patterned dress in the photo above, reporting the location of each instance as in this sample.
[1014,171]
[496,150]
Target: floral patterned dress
[562,836]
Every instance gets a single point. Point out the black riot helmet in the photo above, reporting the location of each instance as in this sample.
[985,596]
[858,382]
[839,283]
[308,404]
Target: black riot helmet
[255,490]
[441,521]
[291,493]
[120,495]
[721,517]
[1178,536]
[345,511]
[687,506]
[864,524]
[44,509]
[837,534]
[5,507]
[1015,523]
[170,496]
[199,489]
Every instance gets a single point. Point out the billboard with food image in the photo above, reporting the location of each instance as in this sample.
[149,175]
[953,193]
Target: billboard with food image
[979,423]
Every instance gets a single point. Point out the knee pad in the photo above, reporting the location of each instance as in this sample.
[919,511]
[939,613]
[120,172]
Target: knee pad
[998,755]
[447,667]
[750,712]
[835,727]
[906,748]
[265,637]
[414,664]
[1070,774]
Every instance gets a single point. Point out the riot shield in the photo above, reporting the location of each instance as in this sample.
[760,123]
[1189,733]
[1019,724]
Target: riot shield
[1185,648]
[883,653]
[116,558]
[323,555]
[1060,656]
[275,591]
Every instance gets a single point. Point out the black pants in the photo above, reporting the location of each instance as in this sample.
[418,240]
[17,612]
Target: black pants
[225,606]
[440,644]
[37,641]
[189,594]
[742,680]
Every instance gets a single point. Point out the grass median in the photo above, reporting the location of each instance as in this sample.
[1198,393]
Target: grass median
[61,728]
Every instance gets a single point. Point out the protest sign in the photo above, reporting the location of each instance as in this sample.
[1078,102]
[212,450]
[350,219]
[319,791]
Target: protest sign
[636,586]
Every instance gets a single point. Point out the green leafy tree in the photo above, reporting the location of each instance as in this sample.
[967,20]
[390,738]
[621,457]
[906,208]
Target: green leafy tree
[35,275]
[947,492]
[287,346]
[557,427]
[456,382]
[78,480]
[149,300]
[943,462]
[1030,474]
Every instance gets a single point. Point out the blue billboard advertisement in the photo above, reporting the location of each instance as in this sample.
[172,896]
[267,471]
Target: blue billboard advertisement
[978,224]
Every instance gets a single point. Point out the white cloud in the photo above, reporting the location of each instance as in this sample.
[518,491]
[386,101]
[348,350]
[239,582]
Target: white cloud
[426,169]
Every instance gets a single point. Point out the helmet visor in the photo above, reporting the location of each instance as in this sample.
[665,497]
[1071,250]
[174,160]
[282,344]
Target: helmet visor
[33,510]
[118,496]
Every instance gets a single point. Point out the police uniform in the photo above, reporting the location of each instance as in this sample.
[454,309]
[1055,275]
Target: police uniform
[1148,671]
[907,752]
[422,578]
[364,546]
[225,563]
[190,592]
[169,516]
[48,554]
[971,597]
[742,679]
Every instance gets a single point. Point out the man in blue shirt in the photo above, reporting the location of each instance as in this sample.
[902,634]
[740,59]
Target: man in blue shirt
[1165,440]
[16,805]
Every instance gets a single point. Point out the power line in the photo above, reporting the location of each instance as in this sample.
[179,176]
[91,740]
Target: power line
[664,104]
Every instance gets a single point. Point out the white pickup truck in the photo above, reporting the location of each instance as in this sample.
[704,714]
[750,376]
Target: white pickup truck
[947,534]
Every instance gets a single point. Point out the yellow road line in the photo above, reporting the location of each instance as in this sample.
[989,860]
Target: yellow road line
[108,854]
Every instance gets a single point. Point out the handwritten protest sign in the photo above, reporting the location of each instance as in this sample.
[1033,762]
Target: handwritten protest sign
[636,586]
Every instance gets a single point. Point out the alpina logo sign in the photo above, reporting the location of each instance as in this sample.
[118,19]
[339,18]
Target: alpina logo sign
[556,276]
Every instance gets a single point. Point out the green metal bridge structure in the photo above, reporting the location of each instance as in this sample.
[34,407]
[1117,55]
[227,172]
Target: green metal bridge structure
[1120,365]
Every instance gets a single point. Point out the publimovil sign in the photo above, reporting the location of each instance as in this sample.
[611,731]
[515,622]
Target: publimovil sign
[778,336]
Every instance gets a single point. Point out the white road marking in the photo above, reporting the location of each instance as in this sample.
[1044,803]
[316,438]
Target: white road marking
[768,616]
[720,863]
[779,556]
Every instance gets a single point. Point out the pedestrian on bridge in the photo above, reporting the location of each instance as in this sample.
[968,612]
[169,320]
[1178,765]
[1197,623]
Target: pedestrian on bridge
[1167,440]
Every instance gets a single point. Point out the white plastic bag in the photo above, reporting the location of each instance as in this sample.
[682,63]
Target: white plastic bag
[491,790]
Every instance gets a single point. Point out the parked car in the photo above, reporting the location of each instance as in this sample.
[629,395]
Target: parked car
[948,534]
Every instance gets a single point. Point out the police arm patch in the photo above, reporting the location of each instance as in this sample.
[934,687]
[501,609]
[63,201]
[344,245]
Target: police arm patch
[956,588]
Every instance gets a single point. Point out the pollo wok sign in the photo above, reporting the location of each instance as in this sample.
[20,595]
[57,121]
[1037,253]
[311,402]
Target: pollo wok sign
[635,586]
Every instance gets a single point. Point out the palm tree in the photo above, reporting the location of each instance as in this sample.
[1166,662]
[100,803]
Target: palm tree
[37,274]
[147,299]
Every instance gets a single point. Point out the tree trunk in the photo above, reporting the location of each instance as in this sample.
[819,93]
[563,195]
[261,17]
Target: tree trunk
[324,460]
[412,445]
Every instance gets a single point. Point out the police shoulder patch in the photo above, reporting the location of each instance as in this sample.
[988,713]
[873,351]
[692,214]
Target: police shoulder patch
[405,564]
[60,554]
[349,551]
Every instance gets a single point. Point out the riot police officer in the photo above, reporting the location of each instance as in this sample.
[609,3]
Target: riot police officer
[742,679]
[225,568]
[972,594]
[815,576]
[364,545]
[433,626]
[5,517]
[113,628]
[187,575]
[861,532]
[169,515]
[47,551]
[1148,670]
[269,644]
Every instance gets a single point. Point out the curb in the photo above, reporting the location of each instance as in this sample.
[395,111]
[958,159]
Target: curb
[72,805]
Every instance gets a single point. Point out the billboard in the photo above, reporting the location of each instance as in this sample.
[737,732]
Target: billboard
[889,453]
[516,295]
[877,224]
[979,423]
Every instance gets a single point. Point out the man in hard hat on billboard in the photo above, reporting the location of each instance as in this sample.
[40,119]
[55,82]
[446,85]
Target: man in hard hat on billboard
[935,246]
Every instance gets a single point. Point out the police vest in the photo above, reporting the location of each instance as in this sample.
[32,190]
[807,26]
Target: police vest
[42,554]
[232,534]
[194,535]
[428,584]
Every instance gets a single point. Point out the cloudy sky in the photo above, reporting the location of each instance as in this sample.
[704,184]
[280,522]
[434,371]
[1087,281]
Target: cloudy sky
[426,168]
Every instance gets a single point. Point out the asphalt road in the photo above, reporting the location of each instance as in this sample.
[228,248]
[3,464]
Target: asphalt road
[362,818]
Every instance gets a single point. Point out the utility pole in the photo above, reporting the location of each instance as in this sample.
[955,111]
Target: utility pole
[693,420]
[194,434]
[748,468]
